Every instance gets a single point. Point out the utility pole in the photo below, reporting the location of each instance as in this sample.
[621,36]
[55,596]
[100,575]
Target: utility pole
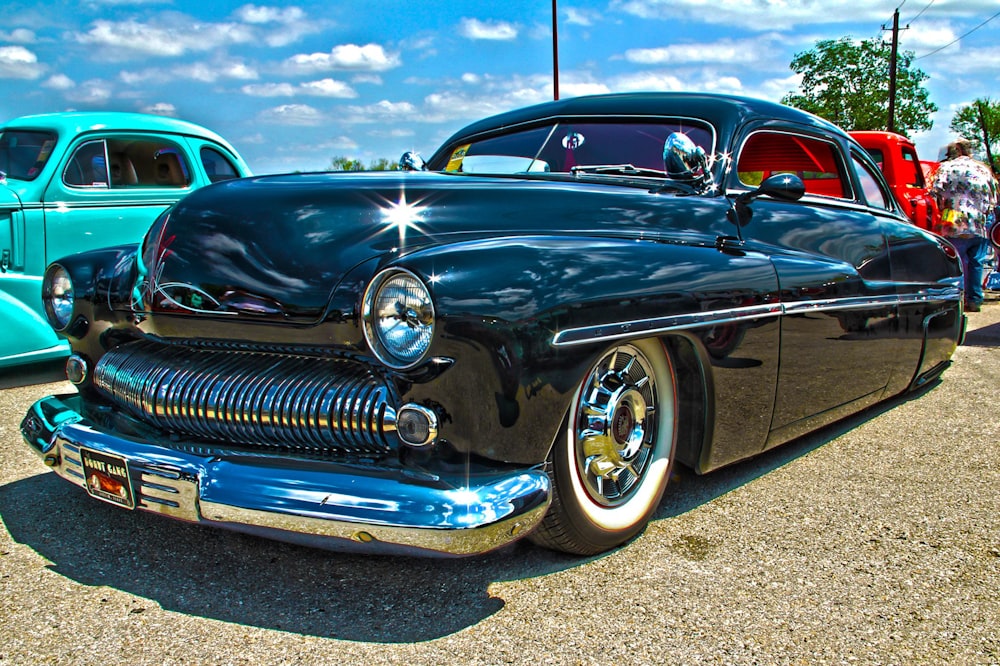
[555,52]
[892,70]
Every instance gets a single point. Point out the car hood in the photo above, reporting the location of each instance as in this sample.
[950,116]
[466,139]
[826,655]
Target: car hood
[283,247]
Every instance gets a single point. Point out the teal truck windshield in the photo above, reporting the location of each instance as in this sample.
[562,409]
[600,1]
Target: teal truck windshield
[23,153]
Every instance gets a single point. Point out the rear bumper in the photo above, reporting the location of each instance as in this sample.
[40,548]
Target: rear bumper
[317,503]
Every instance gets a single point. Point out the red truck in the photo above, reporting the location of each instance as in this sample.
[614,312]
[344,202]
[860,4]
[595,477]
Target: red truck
[908,176]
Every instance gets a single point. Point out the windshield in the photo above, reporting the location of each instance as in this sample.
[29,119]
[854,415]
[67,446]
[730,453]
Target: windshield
[565,146]
[23,153]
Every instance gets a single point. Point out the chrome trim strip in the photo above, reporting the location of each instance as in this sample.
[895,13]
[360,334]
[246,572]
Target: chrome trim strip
[629,329]
[660,325]
[338,506]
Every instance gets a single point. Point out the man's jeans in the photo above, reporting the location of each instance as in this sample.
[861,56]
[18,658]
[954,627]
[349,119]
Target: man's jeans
[972,250]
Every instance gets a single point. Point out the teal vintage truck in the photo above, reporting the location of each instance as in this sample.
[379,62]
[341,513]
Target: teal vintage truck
[71,182]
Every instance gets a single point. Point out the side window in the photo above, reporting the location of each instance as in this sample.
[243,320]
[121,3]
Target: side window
[118,163]
[813,160]
[914,173]
[217,166]
[874,194]
[88,167]
[877,155]
[147,163]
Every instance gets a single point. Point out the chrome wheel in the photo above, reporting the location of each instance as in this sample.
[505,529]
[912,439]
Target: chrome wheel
[610,466]
[616,426]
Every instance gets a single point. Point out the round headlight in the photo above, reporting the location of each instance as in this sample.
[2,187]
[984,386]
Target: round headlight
[398,317]
[57,295]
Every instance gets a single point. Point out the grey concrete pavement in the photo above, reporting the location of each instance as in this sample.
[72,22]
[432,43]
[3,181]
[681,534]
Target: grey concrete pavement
[875,541]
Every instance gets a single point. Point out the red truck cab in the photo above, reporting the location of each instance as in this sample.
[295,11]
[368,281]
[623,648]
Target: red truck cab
[908,176]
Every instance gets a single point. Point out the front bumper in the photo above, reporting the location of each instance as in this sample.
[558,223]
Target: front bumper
[318,503]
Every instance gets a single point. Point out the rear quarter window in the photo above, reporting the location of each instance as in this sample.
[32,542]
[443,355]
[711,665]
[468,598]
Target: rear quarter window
[815,161]
[217,166]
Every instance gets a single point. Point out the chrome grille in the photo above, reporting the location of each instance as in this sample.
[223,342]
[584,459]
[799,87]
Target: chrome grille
[251,398]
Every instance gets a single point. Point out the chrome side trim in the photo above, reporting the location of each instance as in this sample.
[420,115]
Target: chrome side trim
[332,505]
[660,325]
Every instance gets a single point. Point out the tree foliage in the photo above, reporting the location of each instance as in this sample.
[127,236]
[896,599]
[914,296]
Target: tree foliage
[847,83]
[979,122]
[351,164]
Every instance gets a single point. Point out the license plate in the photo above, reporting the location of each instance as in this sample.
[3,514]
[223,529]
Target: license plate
[107,478]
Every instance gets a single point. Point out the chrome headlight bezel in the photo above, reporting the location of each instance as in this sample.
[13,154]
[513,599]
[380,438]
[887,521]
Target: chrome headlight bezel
[57,296]
[398,317]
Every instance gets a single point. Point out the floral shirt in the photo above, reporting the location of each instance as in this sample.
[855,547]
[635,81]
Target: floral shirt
[967,193]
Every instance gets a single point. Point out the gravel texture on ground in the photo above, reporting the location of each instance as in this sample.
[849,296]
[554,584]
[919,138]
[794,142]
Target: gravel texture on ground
[874,541]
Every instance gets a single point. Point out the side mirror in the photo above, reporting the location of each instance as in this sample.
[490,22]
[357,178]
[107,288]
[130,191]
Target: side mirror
[781,186]
[411,161]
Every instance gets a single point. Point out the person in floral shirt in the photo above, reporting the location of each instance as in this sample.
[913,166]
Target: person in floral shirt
[967,194]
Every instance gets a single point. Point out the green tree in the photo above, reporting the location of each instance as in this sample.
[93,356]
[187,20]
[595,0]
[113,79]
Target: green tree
[979,122]
[847,83]
[350,164]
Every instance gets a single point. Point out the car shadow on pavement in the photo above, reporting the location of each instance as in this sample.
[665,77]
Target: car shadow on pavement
[688,490]
[238,578]
[987,336]
[258,582]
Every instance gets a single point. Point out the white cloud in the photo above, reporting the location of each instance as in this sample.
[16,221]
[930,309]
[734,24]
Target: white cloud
[373,79]
[321,88]
[923,37]
[328,88]
[571,89]
[725,84]
[17,62]
[59,82]
[269,90]
[755,15]
[176,36]
[293,114]
[722,51]
[93,92]
[582,17]
[255,14]
[161,109]
[369,58]
[384,112]
[491,30]
[280,26]
[204,72]
[18,36]
[648,81]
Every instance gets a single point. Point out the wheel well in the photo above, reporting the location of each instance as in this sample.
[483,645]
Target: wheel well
[692,400]
[693,428]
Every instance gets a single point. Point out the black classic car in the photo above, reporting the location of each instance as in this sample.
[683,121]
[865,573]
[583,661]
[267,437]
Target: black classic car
[517,338]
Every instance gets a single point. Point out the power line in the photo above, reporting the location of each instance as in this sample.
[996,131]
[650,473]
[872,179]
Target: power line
[958,39]
[919,14]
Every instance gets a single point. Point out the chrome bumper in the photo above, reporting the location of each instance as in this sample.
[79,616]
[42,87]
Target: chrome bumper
[317,503]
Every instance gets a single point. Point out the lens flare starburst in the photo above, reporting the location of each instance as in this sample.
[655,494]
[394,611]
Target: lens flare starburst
[403,215]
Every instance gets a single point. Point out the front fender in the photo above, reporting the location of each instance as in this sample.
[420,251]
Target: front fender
[25,336]
[504,304]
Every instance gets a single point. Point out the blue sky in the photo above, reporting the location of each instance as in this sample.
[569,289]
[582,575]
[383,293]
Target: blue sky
[294,84]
